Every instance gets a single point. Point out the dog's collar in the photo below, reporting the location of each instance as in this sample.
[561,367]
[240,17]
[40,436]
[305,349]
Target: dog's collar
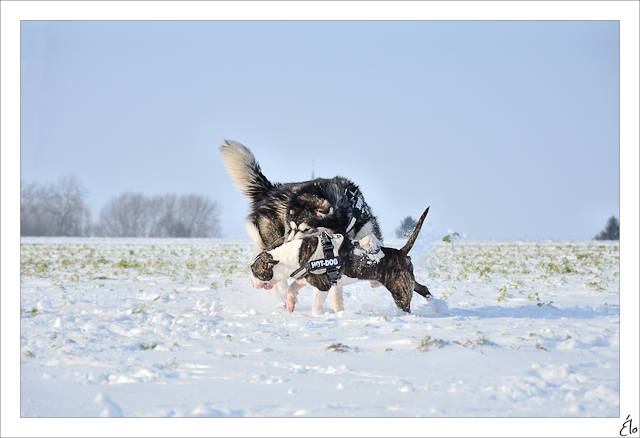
[357,207]
[325,259]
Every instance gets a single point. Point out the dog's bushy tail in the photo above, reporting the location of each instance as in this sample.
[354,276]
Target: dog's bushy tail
[407,247]
[244,170]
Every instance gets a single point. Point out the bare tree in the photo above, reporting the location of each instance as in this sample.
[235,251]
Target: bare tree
[133,215]
[68,212]
[56,210]
[198,216]
[124,216]
[162,210]
[33,220]
[187,216]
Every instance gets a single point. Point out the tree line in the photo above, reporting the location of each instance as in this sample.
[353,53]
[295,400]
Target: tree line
[60,209]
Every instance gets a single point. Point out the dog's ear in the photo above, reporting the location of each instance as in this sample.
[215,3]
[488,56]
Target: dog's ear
[324,209]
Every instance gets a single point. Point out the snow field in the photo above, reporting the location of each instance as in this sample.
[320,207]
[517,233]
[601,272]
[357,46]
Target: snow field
[172,327]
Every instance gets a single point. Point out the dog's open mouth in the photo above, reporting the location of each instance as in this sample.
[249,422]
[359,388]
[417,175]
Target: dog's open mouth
[267,286]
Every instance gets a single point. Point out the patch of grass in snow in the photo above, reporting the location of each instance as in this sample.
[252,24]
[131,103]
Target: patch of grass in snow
[597,286]
[125,264]
[138,309]
[340,348]
[539,347]
[483,340]
[428,342]
[148,346]
[504,295]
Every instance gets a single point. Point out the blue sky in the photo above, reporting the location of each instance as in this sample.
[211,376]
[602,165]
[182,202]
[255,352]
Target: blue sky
[507,129]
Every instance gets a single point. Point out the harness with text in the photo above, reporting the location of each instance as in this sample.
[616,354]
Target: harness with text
[325,259]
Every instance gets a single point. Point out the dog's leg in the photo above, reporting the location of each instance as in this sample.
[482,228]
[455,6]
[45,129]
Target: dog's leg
[422,290]
[291,301]
[292,295]
[279,293]
[318,300]
[337,303]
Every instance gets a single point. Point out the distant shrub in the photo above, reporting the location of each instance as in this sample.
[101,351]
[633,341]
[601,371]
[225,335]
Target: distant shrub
[611,230]
[406,227]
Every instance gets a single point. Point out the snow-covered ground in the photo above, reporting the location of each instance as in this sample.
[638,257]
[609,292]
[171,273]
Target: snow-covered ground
[172,327]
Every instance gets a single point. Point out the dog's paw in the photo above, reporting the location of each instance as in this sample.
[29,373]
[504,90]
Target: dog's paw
[291,302]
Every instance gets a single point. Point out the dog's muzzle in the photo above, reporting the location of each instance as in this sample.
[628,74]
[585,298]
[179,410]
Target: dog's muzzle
[259,284]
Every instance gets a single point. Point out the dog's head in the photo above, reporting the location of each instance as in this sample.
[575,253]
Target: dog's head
[308,214]
[262,271]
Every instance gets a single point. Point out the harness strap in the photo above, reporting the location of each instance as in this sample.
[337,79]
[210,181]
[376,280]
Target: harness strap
[327,249]
[301,270]
[357,206]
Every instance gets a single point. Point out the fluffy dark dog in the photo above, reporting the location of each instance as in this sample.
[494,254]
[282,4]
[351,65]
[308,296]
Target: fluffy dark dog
[361,260]
[293,210]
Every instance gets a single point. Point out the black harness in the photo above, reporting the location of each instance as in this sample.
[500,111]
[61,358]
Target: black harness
[331,263]
[357,207]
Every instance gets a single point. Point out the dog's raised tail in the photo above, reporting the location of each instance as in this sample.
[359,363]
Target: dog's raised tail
[244,170]
[407,247]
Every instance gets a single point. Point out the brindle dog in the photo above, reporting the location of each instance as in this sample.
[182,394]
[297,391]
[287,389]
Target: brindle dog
[360,261]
